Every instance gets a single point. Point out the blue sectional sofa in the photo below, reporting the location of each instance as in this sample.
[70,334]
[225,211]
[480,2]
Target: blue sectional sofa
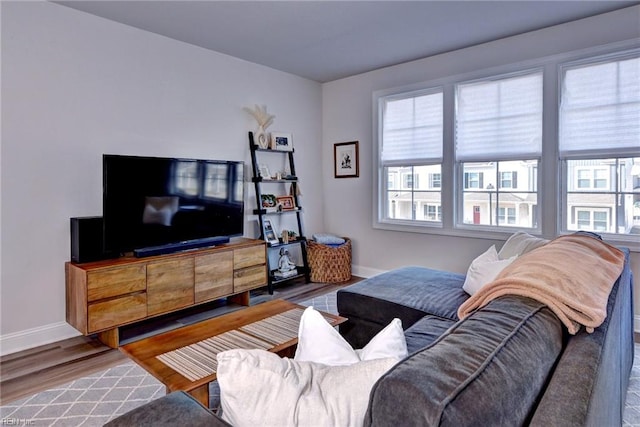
[510,362]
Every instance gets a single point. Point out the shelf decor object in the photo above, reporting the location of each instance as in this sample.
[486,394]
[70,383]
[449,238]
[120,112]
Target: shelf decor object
[264,121]
[287,202]
[281,141]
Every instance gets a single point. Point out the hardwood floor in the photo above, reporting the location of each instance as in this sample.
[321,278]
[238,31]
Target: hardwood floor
[31,371]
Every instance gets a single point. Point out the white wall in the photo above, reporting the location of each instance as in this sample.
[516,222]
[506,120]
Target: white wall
[347,116]
[75,86]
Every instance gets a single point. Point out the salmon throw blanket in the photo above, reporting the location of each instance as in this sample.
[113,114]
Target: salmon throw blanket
[573,275]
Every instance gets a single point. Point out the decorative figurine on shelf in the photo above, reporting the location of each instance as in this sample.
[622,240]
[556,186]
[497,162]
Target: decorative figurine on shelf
[264,121]
[285,264]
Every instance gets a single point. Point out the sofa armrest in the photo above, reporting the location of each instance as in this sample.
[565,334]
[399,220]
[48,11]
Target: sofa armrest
[590,381]
[174,409]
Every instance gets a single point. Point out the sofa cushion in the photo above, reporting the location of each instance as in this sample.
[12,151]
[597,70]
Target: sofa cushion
[408,293]
[258,388]
[491,366]
[484,269]
[425,331]
[519,243]
[319,342]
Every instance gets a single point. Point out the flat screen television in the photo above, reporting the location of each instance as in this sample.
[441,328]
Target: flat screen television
[155,205]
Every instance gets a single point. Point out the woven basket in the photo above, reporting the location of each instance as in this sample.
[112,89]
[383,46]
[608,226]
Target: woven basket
[329,264]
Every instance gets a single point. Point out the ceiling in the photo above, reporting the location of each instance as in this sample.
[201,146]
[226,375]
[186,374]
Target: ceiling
[329,40]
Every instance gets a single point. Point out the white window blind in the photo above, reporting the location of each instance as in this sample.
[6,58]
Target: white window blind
[412,130]
[600,107]
[499,119]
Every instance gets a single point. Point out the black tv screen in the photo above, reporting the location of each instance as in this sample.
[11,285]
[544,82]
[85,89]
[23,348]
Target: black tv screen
[154,201]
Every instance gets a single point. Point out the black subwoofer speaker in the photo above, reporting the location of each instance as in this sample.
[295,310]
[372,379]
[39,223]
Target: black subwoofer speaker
[87,240]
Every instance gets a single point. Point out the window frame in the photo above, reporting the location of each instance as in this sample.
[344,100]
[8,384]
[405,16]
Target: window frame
[494,225]
[382,206]
[548,174]
[613,184]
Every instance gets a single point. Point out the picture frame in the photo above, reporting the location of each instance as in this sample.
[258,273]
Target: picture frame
[268,201]
[264,172]
[346,160]
[281,141]
[269,233]
[287,202]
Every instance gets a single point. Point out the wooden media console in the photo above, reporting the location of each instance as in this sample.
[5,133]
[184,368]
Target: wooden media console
[105,295]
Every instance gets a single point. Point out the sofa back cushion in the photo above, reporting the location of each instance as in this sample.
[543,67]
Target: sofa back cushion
[491,366]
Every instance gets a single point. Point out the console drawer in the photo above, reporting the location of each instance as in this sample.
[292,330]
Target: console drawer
[249,278]
[109,283]
[248,257]
[117,311]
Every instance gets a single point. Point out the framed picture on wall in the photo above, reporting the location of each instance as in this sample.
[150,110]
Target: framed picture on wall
[345,159]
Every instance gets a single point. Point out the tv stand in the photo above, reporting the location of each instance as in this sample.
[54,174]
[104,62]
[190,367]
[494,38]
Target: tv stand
[102,296]
[180,246]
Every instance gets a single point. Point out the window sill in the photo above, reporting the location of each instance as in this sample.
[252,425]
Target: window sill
[631,241]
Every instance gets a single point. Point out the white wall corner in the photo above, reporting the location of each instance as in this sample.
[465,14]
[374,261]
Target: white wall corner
[636,323]
[30,338]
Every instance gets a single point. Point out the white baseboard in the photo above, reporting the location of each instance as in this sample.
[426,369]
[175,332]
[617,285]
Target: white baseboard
[30,338]
[366,272]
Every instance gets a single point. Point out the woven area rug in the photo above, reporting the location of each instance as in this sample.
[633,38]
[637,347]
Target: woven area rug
[98,398]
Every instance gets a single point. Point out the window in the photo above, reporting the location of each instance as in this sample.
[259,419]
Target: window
[506,216]
[508,179]
[592,220]
[498,137]
[405,201]
[592,178]
[599,143]
[498,151]
[411,149]
[473,180]
[435,180]
[410,181]
[433,212]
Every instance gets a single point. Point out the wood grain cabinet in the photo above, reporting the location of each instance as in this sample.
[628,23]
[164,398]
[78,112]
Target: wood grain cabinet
[102,296]
[214,276]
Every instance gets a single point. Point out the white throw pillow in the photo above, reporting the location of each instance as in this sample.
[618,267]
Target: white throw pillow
[484,269]
[520,243]
[319,342]
[258,388]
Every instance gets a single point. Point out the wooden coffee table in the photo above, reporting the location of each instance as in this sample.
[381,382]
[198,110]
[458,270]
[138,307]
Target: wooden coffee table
[185,358]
